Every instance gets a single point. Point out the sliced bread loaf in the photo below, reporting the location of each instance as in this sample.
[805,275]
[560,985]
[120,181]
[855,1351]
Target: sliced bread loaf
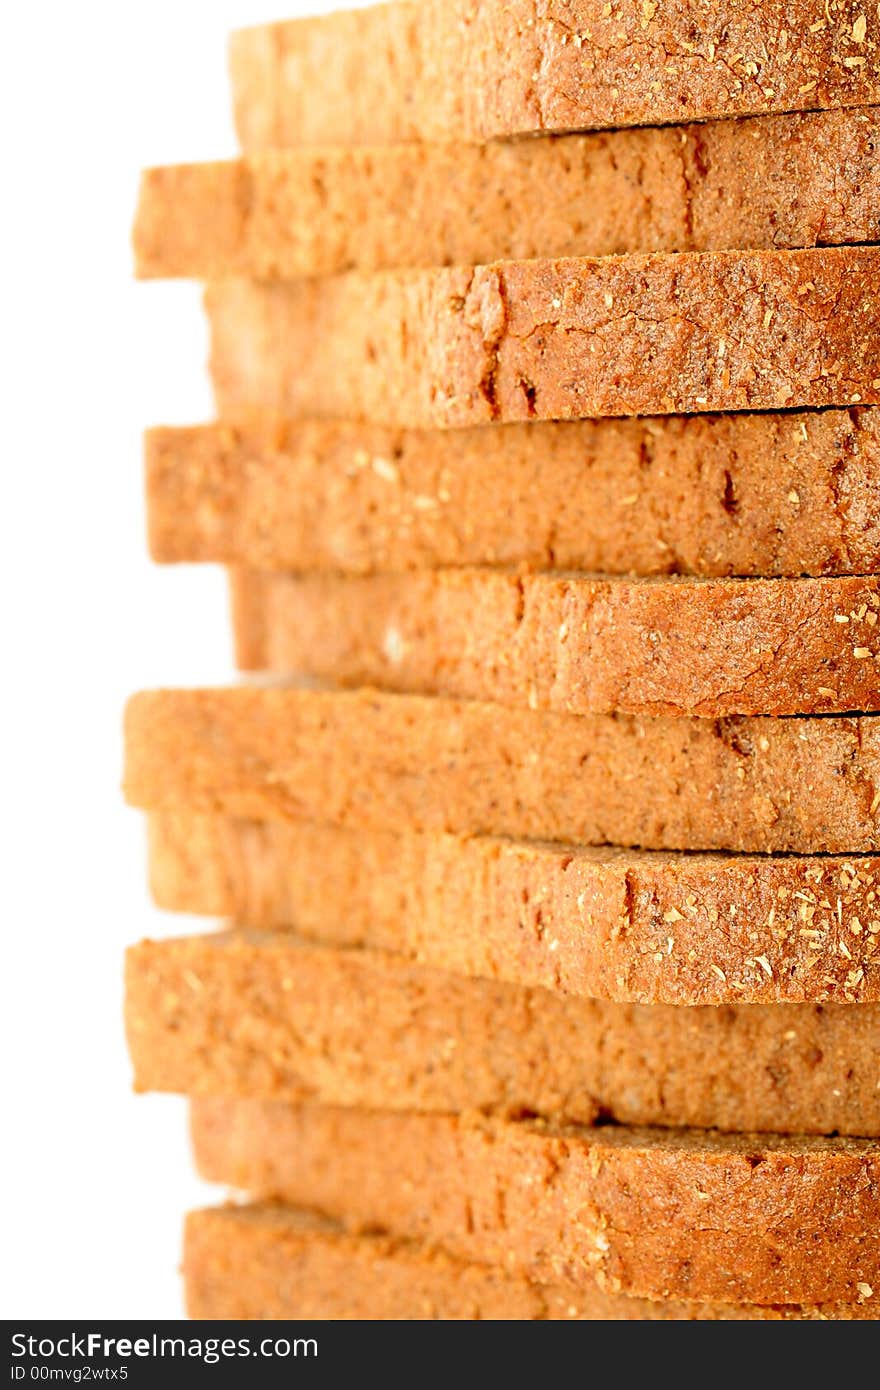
[476,69]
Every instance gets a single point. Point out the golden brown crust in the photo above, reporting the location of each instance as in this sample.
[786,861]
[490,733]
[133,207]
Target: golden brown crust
[706,495]
[273,1262]
[465,70]
[574,643]
[780,181]
[609,924]
[727,1218]
[363,759]
[264,1015]
[555,339]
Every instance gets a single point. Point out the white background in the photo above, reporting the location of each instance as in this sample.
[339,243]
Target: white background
[95,1180]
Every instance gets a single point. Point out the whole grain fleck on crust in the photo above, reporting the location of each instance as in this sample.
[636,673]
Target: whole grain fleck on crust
[736,1218]
[366,759]
[462,69]
[766,494]
[612,924]
[269,1016]
[555,339]
[575,643]
[266,1261]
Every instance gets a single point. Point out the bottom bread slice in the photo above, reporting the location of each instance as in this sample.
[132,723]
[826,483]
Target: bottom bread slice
[644,1212]
[267,1016]
[266,1262]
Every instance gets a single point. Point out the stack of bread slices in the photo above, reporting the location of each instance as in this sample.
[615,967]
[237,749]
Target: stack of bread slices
[546,470]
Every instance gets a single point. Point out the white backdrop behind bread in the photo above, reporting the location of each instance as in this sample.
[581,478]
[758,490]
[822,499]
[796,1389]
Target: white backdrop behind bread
[96,1180]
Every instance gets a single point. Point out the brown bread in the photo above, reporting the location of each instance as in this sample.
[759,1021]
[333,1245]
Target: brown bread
[609,924]
[555,339]
[271,1262]
[707,495]
[659,1214]
[267,1016]
[472,70]
[574,643]
[779,181]
[363,759]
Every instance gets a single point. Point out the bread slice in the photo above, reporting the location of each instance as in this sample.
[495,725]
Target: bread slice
[470,70]
[574,643]
[362,759]
[270,1017]
[779,181]
[555,339]
[610,924]
[659,1214]
[697,494]
[272,1262]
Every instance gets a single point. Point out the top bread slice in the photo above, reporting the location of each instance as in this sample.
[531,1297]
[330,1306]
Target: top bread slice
[778,181]
[477,69]
[555,339]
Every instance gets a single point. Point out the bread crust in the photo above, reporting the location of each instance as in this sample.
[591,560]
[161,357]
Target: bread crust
[555,339]
[705,495]
[609,924]
[272,1262]
[364,759]
[474,71]
[268,1016]
[574,643]
[781,181]
[729,1218]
